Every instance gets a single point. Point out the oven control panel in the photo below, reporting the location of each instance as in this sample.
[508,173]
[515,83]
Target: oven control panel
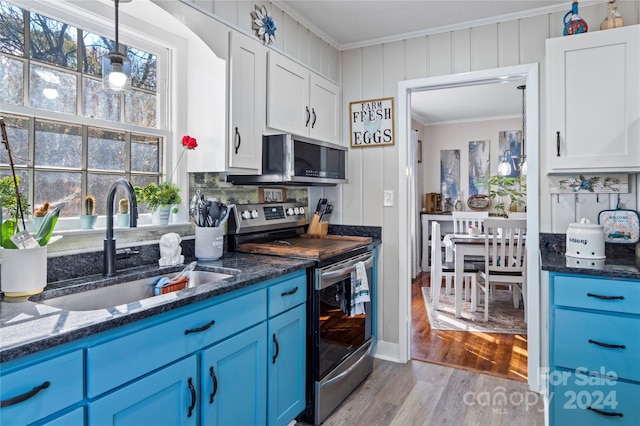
[259,217]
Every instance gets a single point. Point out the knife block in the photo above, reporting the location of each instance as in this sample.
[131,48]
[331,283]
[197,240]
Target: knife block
[316,227]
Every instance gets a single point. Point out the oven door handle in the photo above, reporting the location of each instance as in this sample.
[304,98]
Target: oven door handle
[346,271]
[348,370]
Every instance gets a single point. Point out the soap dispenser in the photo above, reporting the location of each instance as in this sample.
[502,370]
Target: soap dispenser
[573,23]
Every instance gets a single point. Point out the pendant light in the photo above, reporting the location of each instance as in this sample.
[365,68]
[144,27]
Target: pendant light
[523,155]
[504,168]
[116,67]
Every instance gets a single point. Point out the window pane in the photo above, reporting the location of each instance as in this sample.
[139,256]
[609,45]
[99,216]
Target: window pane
[98,103]
[58,145]
[95,47]
[53,41]
[140,108]
[11,29]
[23,186]
[98,185]
[11,81]
[18,135]
[58,188]
[106,149]
[52,89]
[145,153]
[143,181]
[144,67]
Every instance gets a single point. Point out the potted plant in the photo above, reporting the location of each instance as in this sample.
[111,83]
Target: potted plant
[159,199]
[88,217]
[510,193]
[123,213]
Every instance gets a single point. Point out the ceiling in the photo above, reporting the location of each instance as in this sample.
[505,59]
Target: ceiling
[351,23]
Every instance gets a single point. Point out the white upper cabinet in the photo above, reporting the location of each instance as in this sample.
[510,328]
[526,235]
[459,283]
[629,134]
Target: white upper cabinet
[247,102]
[594,100]
[300,101]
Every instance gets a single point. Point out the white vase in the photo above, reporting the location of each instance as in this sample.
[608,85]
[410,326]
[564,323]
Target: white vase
[24,271]
[160,215]
[209,242]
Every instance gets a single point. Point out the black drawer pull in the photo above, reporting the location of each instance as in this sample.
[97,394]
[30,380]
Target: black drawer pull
[558,143]
[313,111]
[214,379]
[238,140]
[193,397]
[275,340]
[20,398]
[290,292]
[605,413]
[306,124]
[199,329]
[599,296]
[607,345]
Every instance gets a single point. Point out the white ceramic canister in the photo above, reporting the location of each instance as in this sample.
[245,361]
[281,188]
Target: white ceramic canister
[585,240]
[24,271]
[209,242]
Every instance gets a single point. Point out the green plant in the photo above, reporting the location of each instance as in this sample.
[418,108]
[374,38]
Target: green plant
[165,194]
[505,188]
[89,205]
[123,206]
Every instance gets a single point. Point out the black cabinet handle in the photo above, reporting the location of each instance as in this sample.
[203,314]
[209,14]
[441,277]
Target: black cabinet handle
[238,140]
[607,345]
[558,143]
[193,397]
[306,124]
[199,329]
[214,379]
[313,111]
[599,296]
[290,292]
[20,398]
[275,340]
[605,413]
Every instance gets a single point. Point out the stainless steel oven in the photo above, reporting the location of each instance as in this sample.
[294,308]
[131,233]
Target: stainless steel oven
[340,344]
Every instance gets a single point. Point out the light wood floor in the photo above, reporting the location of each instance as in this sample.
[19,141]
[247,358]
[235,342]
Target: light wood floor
[501,355]
[420,393]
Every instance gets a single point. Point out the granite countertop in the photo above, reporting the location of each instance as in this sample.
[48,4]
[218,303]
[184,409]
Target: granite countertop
[621,260]
[27,327]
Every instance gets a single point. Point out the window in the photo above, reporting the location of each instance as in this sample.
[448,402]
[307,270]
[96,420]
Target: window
[52,70]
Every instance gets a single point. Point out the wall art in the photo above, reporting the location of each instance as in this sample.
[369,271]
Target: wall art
[263,24]
[479,162]
[449,177]
[597,183]
[371,123]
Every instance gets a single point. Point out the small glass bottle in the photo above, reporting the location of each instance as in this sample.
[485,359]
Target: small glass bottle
[613,19]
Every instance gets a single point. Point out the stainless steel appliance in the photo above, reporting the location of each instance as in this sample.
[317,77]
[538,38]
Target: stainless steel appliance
[339,344]
[290,159]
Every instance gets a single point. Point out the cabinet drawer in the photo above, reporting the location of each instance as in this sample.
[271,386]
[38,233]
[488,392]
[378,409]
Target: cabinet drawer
[47,387]
[580,336]
[571,395]
[287,294]
[118,361]
[600,294]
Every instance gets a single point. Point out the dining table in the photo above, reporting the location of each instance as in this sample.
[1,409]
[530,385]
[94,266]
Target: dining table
[457,247]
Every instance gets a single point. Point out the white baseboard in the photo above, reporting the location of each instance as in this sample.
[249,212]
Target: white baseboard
[387,351]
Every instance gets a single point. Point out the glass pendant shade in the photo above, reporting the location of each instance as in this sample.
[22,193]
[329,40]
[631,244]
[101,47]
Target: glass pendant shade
[116,72]
[504,168]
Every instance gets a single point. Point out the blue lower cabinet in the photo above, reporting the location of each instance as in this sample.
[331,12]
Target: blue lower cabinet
[73,418]
[166,397]
[234,374]
[287,365]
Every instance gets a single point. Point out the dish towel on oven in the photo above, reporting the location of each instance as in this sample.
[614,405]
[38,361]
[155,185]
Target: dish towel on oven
[359,289]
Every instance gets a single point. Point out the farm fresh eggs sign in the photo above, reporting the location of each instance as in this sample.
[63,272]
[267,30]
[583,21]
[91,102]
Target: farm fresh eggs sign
[371,122]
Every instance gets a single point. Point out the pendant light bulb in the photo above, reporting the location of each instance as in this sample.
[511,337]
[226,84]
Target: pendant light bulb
[504,168]
[117,78]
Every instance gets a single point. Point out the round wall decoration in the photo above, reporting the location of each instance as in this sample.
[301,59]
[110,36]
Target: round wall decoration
[264,25]
[479,202]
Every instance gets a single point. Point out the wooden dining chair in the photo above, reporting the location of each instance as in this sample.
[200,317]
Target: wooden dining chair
[504,262]
[462,221]
[446,270]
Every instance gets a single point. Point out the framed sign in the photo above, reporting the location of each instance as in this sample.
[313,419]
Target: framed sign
[272,195]
[371,123]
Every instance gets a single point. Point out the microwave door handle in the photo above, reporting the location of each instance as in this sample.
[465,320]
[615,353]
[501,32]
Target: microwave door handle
[346,271]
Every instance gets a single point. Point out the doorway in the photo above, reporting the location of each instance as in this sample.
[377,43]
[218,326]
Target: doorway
[408,200]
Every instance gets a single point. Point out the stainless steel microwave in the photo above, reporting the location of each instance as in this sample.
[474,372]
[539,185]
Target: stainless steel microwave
[295,160]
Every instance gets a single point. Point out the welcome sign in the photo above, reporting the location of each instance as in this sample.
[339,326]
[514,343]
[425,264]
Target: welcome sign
[371,122]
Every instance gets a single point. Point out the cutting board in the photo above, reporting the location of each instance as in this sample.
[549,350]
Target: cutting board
[307,246]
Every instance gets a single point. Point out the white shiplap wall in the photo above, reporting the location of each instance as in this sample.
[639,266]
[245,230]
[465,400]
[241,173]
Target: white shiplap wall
[374,72]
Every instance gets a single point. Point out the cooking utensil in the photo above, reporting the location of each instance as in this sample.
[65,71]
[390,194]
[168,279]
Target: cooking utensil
[621,226]
[326,214]
[215,212]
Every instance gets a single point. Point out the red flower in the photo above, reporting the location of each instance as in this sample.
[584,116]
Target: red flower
[189,142]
